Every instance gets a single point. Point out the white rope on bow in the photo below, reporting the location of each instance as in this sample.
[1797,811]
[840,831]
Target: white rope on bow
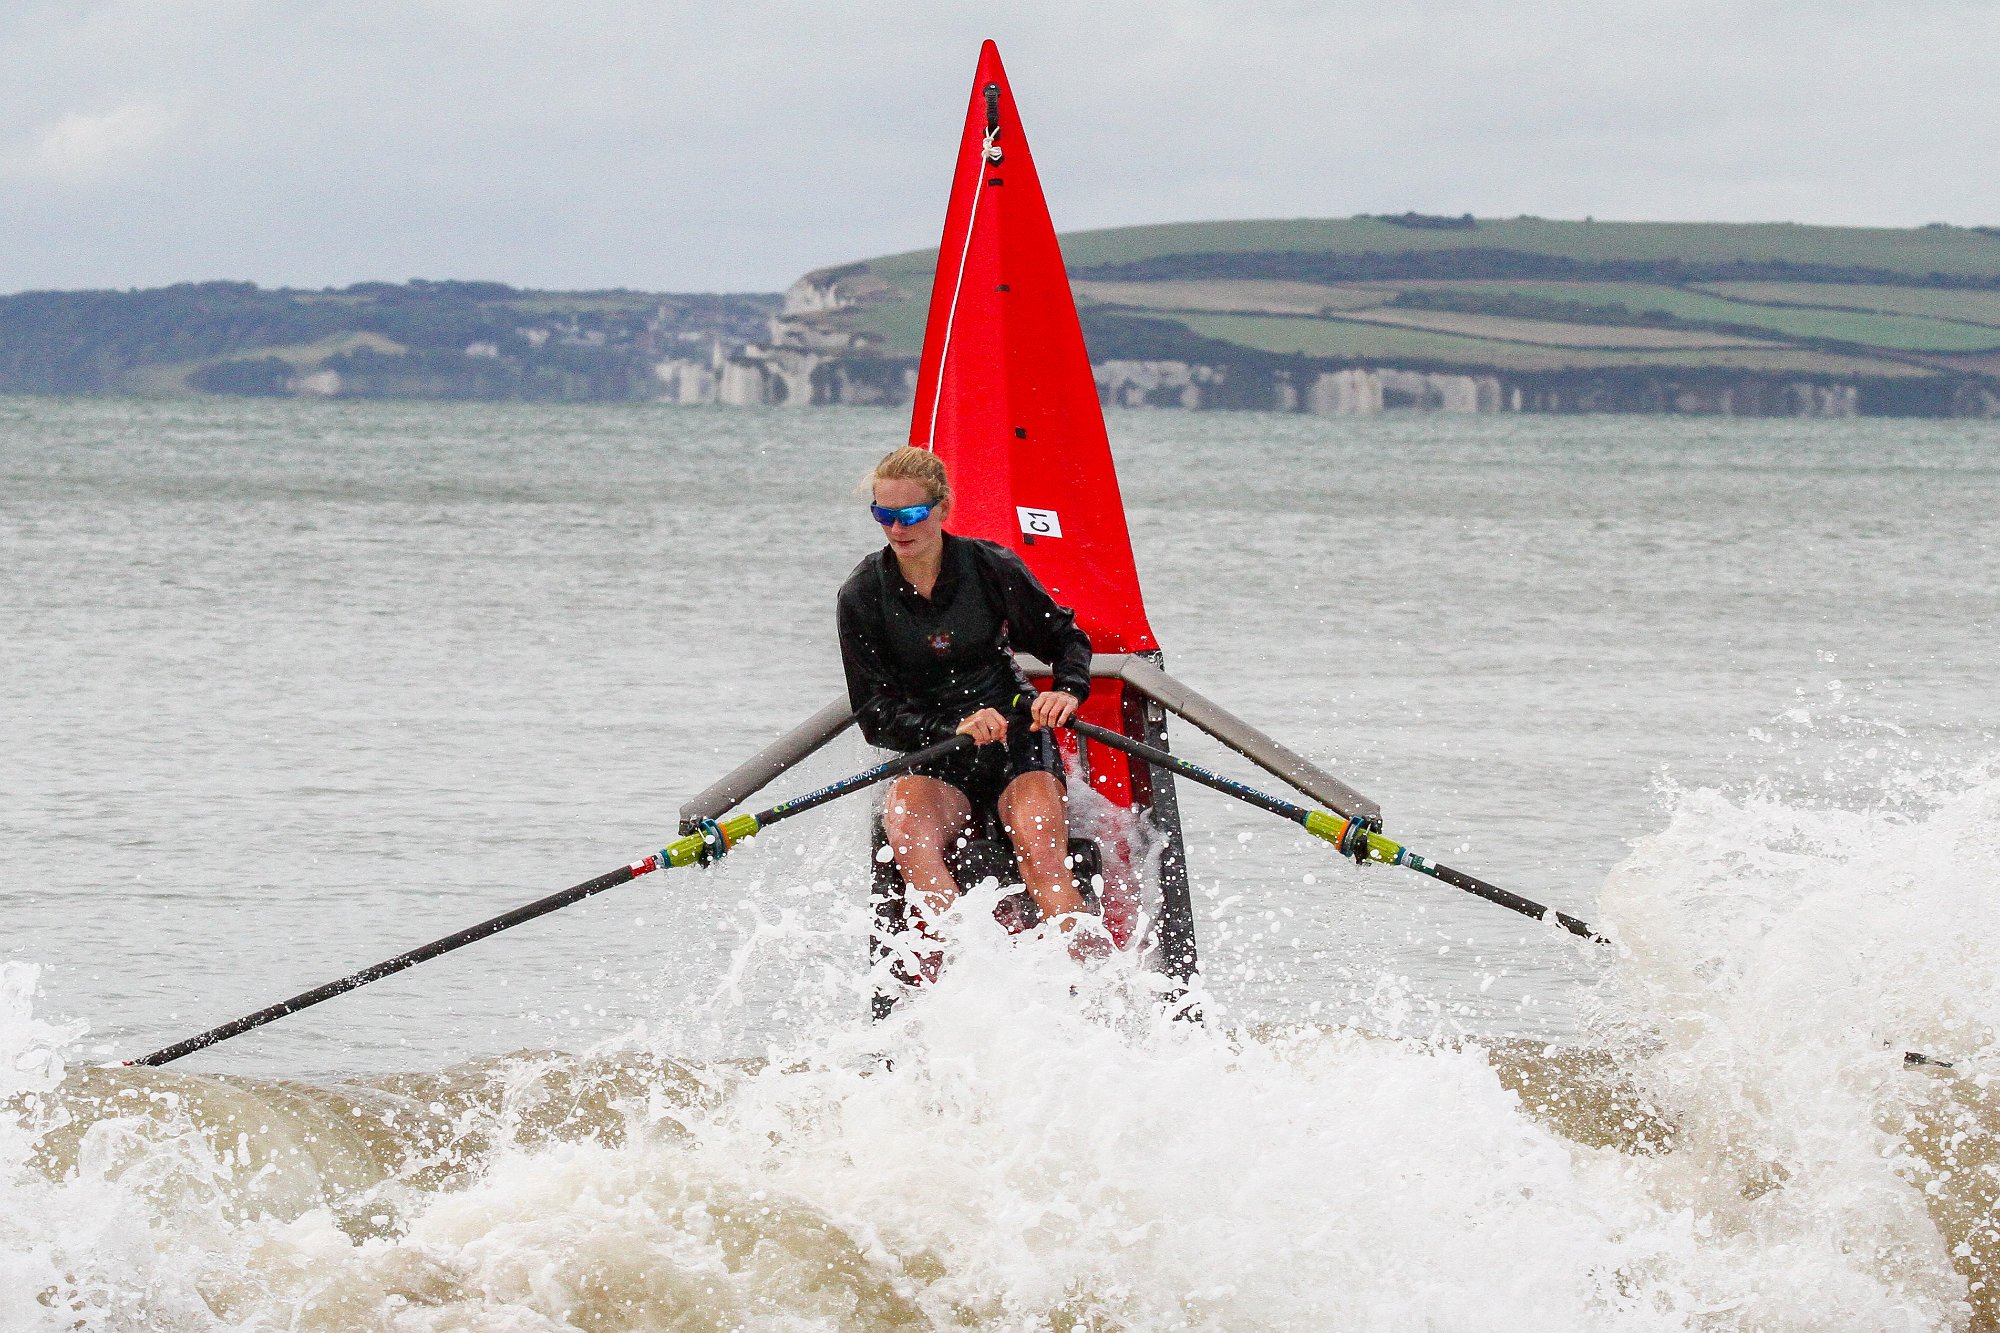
[987,153]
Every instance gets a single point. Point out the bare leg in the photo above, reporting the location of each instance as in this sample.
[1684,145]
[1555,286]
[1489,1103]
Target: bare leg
[1032,811]
[921,818]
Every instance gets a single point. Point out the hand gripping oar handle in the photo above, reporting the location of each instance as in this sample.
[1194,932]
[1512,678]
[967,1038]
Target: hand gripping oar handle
[703,847]
[1351,837]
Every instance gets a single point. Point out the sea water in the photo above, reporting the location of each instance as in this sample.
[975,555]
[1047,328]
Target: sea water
[292,687]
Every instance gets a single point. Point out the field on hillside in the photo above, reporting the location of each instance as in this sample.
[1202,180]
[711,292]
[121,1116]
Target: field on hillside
[1522,294]
[1972,307]
[1343,340]
[1915,252]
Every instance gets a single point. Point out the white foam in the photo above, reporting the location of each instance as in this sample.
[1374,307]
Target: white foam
[1030,1140]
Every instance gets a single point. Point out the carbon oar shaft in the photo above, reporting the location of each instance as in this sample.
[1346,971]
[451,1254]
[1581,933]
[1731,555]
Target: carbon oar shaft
[695,847]
[391,966]
[1351,837]
[1153,754]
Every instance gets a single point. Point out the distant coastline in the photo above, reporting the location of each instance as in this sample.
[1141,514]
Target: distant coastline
[1330,316]
[471,340]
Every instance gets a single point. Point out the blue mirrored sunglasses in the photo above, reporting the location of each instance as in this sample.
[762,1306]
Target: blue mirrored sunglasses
[909,516]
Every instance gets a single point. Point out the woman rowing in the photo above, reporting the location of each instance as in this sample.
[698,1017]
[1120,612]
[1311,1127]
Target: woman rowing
[928,626]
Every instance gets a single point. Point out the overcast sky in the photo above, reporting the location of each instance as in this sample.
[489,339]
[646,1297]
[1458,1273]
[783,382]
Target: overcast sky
[732,146]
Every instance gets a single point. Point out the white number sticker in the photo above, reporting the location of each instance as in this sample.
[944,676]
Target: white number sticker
[1039,522]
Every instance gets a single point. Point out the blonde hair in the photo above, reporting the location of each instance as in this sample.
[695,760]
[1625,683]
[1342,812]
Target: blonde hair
[912,464]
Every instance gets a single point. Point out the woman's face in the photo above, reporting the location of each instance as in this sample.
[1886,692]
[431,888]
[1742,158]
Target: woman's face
[919,540]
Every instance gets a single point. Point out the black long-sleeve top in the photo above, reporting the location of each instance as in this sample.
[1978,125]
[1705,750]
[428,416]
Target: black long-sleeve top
[917,667]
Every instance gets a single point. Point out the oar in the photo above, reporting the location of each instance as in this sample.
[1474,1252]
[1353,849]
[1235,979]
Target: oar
[1350,837]
[1355,839]
[702,847]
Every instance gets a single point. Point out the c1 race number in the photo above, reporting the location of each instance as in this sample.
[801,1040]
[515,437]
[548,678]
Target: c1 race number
[1039,522]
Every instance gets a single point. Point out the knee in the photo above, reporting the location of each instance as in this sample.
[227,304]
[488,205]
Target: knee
[1037,808]
[910,820]
[904,826]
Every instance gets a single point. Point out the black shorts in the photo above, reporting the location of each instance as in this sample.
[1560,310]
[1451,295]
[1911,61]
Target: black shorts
[983,773]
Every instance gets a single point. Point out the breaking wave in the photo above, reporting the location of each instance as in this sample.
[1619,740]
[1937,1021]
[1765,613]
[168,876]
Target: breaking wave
[1736,1141]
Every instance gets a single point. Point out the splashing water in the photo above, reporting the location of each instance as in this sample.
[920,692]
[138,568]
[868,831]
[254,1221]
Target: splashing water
[1782,959]
[1033,1144]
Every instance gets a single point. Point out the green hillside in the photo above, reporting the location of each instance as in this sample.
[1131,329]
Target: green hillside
[1520,314]
[392,340]
[1911,252]
[1912,315]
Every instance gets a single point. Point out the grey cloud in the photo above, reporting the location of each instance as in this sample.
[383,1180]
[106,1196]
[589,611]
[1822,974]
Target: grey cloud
[673,146]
